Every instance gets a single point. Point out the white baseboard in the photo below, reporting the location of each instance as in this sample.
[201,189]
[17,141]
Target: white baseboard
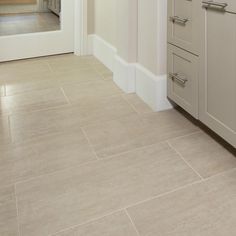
[152,89]
[131,77]
[124,75]
[102,50]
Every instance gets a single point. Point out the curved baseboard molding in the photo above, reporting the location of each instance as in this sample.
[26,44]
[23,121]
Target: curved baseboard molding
[132,77]
[124,74]
[152,89]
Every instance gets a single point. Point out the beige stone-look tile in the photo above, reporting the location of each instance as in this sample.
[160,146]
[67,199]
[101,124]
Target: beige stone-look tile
[14,69]
[29,84]
[92,60]
[103,70]
[46,155]
[68,62]
[77,76]
[26,77]
[137,103]
[8,212]
[117,224]
[33,101]
[82,91]
[49,204]
[205,209]
[134,131]
[204,154]
[88,111]
[5,136]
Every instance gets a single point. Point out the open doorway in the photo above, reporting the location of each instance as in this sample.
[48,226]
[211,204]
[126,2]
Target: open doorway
[29,16]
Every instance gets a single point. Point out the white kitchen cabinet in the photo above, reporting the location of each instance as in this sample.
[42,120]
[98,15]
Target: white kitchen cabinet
[202,65]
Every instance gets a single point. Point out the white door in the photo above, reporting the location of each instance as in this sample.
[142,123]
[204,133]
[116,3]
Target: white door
[28,45]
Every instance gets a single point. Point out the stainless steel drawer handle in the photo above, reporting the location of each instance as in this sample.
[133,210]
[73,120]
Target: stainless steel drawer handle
[176,77]
[179,19]
[215,4]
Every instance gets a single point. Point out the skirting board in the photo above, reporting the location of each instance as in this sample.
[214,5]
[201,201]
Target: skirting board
[102,50]
[152,89]
[131,77]
[124,74]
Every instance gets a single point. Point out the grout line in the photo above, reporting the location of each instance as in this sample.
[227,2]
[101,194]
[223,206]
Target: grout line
[186,162]
[49,67]
[132,222]
[186,135]
[140,202]
[90,144]
[219,174]
[17,211]
[86,163]
[126,207]
[130,104]
[64,94]
[86,222]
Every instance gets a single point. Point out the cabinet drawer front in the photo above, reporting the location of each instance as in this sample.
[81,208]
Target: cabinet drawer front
[183,79]
[183,24]
[224,5]
[217,83]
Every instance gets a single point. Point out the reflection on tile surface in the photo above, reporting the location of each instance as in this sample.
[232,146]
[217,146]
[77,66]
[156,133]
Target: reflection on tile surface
[80,157]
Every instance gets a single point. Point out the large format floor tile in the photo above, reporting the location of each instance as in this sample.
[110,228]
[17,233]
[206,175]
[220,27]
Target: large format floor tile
[134,131]
[52,203]
[33,101]
[204,154]
[77,76]
[9,70]
[117,224]
[78,157]
[30,83]
[82,91]
[137,103]
[8,212]
[5,136]
[20,162]
[86,112]
[67,63]
[204,209]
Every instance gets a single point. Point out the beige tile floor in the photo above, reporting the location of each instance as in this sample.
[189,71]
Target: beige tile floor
[78,157]
[11,24]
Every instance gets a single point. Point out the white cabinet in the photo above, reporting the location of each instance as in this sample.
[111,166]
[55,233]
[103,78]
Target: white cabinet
[183,79]
[183,24]
[202,62]
[217,94]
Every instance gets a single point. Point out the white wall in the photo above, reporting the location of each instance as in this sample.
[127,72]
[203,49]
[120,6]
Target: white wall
[105,19]
[137,28]
[126,29]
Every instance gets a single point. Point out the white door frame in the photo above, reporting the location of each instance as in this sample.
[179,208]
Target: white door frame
[81,33]
[9,50]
